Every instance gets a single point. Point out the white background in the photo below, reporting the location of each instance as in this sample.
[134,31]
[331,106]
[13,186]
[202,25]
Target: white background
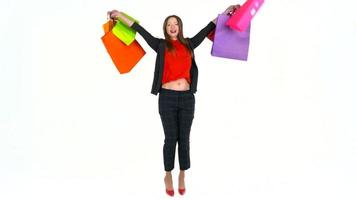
[279,126]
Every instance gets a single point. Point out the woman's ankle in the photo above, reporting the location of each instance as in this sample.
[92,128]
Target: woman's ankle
[182,173]
[168,174]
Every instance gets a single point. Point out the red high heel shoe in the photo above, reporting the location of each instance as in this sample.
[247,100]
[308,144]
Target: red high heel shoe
[181,191]
[170,192]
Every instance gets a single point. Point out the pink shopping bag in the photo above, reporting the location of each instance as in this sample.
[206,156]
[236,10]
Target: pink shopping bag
[241,19]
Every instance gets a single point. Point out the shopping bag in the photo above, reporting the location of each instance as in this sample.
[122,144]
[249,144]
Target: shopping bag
[242,17]
[124,57]
[108,26]
[229,43]
[123,32]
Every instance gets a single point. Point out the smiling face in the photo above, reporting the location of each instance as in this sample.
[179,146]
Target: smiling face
[172,28]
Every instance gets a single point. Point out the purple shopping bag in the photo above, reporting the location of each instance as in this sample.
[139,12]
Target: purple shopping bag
[229,43]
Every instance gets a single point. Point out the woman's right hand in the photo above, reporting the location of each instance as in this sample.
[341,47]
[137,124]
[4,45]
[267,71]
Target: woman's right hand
[114,14]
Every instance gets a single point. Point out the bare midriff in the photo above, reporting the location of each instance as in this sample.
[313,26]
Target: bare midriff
[178,85]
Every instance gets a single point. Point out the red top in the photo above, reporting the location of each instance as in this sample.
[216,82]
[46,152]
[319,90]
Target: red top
[176,63]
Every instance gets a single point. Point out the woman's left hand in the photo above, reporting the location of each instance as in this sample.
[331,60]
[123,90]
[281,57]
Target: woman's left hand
[231,9]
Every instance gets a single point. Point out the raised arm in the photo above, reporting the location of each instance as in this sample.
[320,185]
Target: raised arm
[199,37]
[153,42]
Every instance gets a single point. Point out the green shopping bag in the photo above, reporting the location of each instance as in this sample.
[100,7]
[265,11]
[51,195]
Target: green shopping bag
[123,32]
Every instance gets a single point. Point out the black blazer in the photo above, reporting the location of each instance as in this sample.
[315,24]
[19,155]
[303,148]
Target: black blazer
[158,45]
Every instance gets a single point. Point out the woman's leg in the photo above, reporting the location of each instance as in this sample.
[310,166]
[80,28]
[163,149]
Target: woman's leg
[185,118]
[169,117]
[168,181]
[181,183]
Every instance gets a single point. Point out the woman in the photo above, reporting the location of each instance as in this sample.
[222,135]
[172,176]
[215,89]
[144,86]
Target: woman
[175,79]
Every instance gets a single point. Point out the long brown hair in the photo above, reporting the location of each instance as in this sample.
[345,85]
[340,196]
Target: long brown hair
[180,37]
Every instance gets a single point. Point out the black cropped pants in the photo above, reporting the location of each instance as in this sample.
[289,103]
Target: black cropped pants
[176,109]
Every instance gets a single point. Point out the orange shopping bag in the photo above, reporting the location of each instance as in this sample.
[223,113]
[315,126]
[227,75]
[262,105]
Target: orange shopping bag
[124,57]
[108,26]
